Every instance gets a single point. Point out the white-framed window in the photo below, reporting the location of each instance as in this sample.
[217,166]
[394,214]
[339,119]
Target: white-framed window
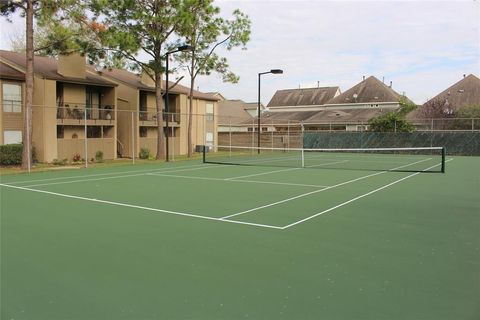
[12,136]
[12,97]
[209,111]
[209,139]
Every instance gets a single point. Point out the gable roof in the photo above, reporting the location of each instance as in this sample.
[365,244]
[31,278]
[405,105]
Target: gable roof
[47,67]
[302,97]
[465,92]
[330,115]
[7,72]
[233,111]
[370,90]
[133,80]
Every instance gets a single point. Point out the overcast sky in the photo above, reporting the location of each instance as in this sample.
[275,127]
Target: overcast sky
[422,46]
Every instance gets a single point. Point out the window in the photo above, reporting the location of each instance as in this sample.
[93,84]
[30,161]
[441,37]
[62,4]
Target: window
[10,137]
[209,139]
[12,97]
[209,112]
[60,132]
[94,132]
[143,132]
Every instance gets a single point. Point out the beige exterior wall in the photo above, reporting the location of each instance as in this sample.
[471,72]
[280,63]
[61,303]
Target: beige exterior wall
[10,120]
[72,65]
[44,120]
[74,95]
[67,148]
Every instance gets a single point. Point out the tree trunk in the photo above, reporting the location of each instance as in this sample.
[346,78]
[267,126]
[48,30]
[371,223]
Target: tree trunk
[190,119]
[159,104]
[27,115]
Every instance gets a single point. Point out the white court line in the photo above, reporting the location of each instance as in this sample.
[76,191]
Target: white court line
[246,181]
[118,177]
[320,190]
[101,174]
[138,207]
[291,169]
[360,197]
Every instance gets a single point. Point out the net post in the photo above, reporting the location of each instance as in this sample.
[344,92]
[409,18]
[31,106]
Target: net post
[444,154]
[204,150]
[303,158]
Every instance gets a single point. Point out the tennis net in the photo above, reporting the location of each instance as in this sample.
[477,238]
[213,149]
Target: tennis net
[424,159]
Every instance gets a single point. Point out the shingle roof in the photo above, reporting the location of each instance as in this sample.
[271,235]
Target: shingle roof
[133,80]
[465,92]
[233,111]
[8,72]
[48,67]
[345,115]
[370,90]
[302,97]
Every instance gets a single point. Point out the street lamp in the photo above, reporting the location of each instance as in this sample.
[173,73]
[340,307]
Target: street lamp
[178,49]
[274,71]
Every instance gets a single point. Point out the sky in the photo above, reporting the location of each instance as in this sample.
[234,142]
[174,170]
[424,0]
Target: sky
[423,47]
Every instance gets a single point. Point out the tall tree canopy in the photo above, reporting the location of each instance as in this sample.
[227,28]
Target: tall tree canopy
[61,17]
[126,28]
[202,28]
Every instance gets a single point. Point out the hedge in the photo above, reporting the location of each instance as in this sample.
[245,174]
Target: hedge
[11,154]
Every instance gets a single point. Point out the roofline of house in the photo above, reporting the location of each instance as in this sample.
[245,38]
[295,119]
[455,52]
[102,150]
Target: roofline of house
[69,80]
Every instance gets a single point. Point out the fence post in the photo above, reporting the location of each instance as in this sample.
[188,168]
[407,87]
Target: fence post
[173,143]
[272,134]
[253,135]
[288,134]
[85,129]
[133,137]
[473,124]
[230,136]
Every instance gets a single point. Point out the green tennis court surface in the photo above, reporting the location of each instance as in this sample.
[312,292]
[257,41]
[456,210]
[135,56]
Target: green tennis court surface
[267,240]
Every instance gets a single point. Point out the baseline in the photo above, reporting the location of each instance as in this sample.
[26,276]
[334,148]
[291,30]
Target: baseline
[185,214]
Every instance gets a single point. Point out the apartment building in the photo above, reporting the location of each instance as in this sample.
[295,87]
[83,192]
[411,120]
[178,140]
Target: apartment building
[114,110]
[65,98]
[138,116]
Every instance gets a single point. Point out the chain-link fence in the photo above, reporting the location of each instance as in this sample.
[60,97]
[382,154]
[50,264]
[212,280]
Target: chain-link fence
[74,133]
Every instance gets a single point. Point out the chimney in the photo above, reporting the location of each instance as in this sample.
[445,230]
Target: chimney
[391,83]
[383,79]
[318,84]
[464,75]
[72,65]
[146,79]
[363,78]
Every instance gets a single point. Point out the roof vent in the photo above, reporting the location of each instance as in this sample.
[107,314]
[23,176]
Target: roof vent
[376,98]
[461,90]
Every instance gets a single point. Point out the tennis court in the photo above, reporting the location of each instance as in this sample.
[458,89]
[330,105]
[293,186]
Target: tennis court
[275,235]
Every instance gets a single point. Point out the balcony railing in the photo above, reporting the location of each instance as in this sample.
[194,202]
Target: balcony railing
[153,116]
[93,112]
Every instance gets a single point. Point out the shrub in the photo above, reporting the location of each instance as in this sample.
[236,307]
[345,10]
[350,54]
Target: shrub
[99,156]
[58,162]
[11,154]
[144,153]
[76,157]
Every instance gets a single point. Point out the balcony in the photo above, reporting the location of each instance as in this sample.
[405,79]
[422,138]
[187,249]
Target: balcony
[149,118]
[74,114]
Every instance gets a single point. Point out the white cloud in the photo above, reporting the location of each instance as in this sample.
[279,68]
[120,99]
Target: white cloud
[422,46]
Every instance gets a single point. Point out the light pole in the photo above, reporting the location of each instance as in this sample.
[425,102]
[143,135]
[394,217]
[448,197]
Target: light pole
[274,71]
[178,49]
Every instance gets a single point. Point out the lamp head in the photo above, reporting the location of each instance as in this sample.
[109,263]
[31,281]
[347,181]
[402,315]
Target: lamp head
[276,71]
[185,48]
